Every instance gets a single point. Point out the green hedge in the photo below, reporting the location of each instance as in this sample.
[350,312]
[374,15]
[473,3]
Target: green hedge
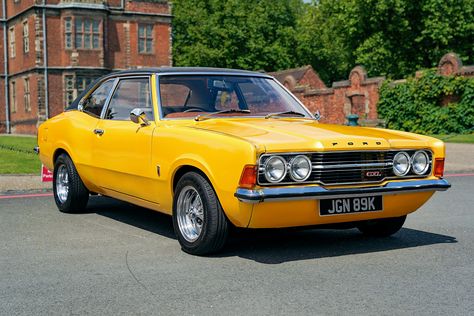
[415,105]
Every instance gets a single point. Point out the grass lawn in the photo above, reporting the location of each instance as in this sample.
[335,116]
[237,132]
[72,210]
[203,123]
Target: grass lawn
[17,155]
[467,138]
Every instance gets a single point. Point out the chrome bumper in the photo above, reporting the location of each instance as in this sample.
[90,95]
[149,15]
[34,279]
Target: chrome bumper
[315,192]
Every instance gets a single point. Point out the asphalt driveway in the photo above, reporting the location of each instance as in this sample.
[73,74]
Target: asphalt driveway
[119,259]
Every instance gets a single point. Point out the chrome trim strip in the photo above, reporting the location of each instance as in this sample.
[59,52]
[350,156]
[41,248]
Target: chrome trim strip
[318,192]
[352,165]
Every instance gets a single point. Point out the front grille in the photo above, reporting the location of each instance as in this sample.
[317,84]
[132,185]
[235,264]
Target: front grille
[351,167]
[354,167]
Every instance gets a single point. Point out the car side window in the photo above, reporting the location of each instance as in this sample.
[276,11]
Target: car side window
[130,94]
[95,102]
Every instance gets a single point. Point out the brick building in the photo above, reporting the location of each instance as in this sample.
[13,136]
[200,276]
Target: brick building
[50,50]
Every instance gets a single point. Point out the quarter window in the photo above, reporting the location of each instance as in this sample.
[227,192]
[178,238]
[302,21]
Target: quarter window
[82,82]
[87,33]
[26,39]
[145,38]
[96,100]
[130,94]
[26,95]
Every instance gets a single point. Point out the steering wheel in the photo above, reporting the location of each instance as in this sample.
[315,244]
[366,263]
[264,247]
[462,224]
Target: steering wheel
[194,110]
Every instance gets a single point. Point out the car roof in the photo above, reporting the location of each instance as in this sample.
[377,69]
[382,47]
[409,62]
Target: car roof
[187,70]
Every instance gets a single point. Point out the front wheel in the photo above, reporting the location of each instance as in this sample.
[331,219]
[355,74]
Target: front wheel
[70,194]
[198,219]
[383,227]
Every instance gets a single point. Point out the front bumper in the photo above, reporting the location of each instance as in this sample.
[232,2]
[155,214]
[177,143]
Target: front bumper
[315,192]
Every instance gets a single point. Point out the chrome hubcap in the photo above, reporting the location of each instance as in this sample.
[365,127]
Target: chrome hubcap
[62,183]
[190,214]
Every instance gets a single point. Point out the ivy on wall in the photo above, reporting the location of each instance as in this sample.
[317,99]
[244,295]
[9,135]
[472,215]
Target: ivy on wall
[429,104]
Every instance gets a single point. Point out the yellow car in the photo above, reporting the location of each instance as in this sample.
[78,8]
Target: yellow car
[217,148]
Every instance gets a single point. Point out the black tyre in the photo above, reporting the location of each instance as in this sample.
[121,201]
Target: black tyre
[70,194]
[198,219]
[383,227]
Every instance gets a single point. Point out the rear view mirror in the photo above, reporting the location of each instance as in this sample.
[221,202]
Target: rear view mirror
[138,116]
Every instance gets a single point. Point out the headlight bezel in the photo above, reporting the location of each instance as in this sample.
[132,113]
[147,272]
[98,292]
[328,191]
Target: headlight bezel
[408,158]
[427,166]
[293,161]
[285,169]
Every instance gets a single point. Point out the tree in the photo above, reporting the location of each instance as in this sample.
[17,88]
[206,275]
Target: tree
[256,35]
[389,37]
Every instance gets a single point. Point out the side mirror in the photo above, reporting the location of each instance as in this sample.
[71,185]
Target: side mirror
[138,116]
[80,105]
[317,115]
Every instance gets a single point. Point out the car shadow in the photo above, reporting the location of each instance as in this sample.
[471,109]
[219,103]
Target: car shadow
[279,246]
[274,246]
[133,215]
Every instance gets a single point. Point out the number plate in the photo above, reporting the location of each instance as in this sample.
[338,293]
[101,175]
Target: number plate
[350,205]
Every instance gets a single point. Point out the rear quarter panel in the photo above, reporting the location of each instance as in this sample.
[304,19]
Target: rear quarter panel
[71,132]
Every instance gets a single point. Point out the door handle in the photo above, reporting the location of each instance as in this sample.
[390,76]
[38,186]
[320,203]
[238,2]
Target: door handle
[99,131]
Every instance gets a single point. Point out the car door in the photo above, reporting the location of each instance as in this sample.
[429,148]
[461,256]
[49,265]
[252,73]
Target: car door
[122,148]
[81,137]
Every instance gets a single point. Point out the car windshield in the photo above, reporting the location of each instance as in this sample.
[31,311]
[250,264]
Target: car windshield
[210,96]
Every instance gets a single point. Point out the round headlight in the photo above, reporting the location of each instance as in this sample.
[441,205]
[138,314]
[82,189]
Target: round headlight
[401,163]
[300,168]
[275,169]
[420,162]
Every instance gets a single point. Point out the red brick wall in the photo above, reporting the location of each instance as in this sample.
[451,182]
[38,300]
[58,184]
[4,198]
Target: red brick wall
[358,95]
[160,56]
[22,60]
[2,109]
[147,6]
[23,121]
[311,79]
[17,7]
[56,94]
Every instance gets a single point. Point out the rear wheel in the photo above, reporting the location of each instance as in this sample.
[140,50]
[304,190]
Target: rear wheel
[198,219]
[383,227]
[70,194]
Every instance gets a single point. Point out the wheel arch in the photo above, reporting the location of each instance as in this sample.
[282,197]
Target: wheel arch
[58,152]
[182,170]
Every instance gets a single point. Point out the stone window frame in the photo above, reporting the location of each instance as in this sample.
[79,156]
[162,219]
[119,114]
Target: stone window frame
[92,33]
[147,37]
[70,92]
[11,41]
[26,36]
[13,105]
[68,33]
[27,94]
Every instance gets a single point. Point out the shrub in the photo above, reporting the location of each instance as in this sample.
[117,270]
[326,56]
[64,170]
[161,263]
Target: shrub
[416,105]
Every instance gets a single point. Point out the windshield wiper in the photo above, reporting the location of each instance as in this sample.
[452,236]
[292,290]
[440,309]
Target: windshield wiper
[284,113]
[209,115]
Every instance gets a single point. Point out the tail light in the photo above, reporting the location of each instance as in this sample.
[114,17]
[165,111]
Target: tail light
[439,167]
[248,179]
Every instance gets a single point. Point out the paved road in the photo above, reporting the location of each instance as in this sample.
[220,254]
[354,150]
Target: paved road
[118,259]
